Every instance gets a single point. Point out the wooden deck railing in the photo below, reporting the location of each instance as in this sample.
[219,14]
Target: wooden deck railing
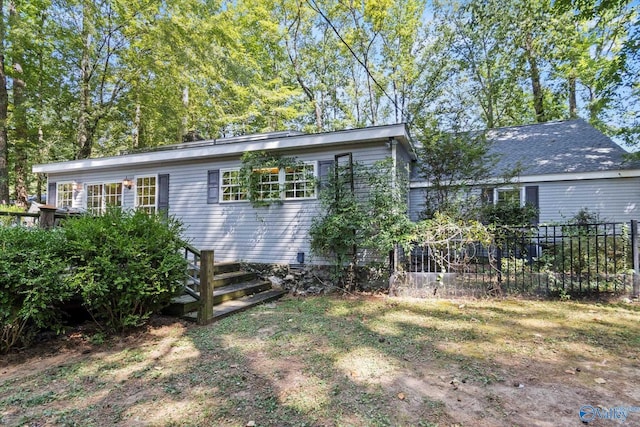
[192,279]
[48,217]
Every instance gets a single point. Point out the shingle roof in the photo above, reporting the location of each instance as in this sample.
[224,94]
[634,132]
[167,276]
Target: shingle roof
[557,147]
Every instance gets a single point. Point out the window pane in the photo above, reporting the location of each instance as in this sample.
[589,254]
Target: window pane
[231,187]
[300,182]
[146,194]
[65,195]
[509,196]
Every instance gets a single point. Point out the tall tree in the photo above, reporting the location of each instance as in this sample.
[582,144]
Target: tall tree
[482,49]
[4,102]
[20,101]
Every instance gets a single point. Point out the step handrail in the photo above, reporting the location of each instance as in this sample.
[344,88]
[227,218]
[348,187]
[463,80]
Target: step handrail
[192,273]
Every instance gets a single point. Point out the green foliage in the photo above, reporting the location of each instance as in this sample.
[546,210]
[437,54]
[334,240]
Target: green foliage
[583,251]
[448,238]
[31,283]
[452,163]
[508,213]
[340,228]
[125,265]
[372,218]
[256,166]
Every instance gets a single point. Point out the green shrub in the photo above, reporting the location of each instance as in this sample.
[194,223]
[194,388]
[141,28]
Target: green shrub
[31,283]
[125,265]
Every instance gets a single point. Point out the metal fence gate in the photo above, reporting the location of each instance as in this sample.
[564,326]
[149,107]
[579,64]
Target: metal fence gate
[549,260]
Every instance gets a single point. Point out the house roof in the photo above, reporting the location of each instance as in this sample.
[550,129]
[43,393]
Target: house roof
[554,151]
[570,146]
[236,146]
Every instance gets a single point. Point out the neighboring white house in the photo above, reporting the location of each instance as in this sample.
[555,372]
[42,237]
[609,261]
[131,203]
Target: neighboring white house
[198,183]
[565,166]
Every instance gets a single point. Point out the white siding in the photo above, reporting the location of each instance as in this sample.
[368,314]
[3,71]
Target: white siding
[236,231]
[615,199]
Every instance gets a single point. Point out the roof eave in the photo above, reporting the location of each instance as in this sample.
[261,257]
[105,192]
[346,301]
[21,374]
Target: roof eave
[382,133]
[555,177]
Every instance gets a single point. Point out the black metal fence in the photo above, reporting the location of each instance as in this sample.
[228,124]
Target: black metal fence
[548,260]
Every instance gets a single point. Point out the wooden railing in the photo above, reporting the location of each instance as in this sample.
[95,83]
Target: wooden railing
[18,218]
[199,281]
[48,217]
[192,275]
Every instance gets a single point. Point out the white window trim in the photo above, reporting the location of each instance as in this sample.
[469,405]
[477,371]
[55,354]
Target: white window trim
[85,197]
[134,187]
[315,178]
[511,188]
[281,185]
[220,186]
[73,189]
[103,207]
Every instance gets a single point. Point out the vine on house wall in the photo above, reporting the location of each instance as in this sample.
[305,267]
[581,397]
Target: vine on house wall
[256,166]
[373,220]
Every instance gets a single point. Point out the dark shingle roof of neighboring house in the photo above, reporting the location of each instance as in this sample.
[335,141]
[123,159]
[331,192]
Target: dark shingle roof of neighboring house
[571,146]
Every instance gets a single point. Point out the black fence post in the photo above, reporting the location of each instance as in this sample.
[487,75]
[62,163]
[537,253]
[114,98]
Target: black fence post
[634,255]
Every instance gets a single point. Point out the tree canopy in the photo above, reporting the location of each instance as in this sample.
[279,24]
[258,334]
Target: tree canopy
[83,78]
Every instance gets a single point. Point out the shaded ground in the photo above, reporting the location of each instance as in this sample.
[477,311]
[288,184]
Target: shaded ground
[331,361]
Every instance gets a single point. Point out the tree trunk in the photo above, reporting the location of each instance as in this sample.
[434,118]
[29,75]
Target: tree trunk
[84,137]
[4,100]
[536,85]
[19,117]
[573,105]
[136,124]
[182,131]
[21,141]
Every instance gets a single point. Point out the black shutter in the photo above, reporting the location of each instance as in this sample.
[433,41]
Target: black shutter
[324,169]
[163,194]
[531,198]
[52,194]
[213,186]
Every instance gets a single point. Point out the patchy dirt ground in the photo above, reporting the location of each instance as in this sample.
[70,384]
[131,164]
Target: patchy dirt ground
[332,361]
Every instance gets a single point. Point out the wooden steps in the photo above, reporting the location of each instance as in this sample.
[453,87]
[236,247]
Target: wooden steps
[230,307]
[234,290]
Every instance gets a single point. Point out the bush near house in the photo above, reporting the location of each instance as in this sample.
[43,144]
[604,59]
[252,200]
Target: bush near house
[125,265]
[31,285]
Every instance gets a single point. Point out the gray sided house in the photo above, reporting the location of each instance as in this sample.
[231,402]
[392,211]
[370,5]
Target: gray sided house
[565,166]
[198,183]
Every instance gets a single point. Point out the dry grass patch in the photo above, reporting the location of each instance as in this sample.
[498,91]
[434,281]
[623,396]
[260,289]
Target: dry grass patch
[332,361]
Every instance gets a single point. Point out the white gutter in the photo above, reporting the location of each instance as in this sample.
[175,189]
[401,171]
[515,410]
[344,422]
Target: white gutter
[380,133]
[569,176]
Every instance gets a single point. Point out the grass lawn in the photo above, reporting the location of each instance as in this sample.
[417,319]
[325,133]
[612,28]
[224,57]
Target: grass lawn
[335,361]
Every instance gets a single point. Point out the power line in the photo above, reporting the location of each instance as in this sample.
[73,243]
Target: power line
[315,7]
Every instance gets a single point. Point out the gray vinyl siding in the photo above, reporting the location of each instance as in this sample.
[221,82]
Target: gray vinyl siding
[417,198]
[615,199]
[236,231]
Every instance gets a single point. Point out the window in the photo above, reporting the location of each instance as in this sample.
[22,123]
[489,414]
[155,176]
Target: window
[102,196]
[231,187]
[508,196]
[94,198]
[112,194]
[268,183]
[295,182]
[299,182]
[146,193]
[65,195]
